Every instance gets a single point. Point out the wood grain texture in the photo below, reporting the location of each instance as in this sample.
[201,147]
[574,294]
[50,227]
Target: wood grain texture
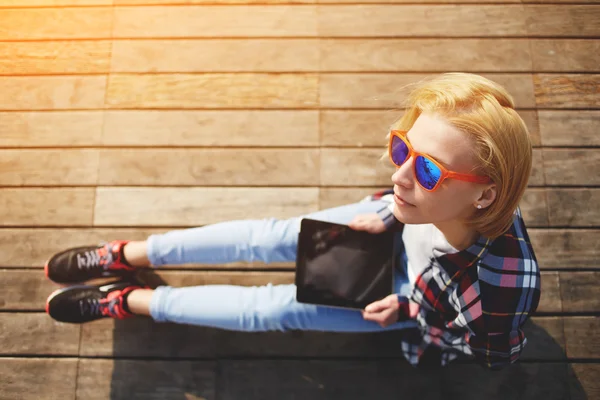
[566,248]
[565,55]
[64,57]
[574,207]
[564,20]
[568,167]
[144,379]
[389,90]
[582,337]
[213,91]
[421,20]
[212,128]
[418,55]
[21,334]
[584,381]
[199,206]
[567,91]
[579,292]
[215,21]
[53,3]
[217,167]
[48,167]
[55,23]
[49,129]
[52,92]
[216,55]
[569,127]
[358,128]
[35,378]
[28,290]
[46,207]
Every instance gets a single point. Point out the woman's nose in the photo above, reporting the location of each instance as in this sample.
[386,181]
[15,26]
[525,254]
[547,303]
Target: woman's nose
[403,175]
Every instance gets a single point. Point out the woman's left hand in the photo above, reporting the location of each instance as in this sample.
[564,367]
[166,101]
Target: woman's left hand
[384,311]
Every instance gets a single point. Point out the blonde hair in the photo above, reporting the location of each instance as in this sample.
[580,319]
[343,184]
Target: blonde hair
[485,111]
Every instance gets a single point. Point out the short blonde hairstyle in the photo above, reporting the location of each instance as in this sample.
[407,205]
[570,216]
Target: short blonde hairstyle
[485,111]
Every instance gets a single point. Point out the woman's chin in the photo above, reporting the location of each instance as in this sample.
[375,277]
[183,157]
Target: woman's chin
[408,216]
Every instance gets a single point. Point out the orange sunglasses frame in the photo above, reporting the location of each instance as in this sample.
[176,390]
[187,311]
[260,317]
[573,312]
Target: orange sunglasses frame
[445,172]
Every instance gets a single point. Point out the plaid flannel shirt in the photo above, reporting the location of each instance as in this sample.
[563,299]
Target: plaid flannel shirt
[473,302]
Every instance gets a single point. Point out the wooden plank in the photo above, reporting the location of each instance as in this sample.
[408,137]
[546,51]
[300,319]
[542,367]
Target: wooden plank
[48,129]
[28,290]
[144,379]
[566,248]
[569,167]
[562,21]
[25,290]
[213,91]
[566,55]
[52,92]
[222,167]
[203,2]
[199,206]
[212,128]
[36,334]
[141,337]
[65,57]
[215,21]
[523,381]
[48,167]
[418,55]
[356,128]
[574,207]
[53,3]
[421,20]
[584,381]
[320,379]
[46,207]
[373,91]
[579,291]
[31,247]
[582,337]
[34,378]
[567,90]
[258,55]
[361,167]
[55,23]
[569,127]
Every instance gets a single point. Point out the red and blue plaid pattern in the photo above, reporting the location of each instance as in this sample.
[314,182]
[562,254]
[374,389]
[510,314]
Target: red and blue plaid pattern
[474,302]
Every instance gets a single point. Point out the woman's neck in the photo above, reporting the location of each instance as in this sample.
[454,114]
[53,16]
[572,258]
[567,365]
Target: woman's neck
[457,234]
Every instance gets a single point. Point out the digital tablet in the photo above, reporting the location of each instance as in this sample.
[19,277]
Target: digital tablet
[341,267]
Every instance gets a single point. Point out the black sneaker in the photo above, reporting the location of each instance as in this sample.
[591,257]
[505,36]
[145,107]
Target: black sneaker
[83,303]
[82,263]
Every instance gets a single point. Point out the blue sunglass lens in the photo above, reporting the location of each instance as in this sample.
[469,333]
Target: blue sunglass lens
[428,174]
[399,151]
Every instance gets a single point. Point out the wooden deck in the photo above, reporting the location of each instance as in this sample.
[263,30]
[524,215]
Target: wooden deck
[120,118]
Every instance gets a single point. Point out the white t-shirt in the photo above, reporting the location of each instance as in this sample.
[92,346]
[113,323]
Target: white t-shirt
[422,244]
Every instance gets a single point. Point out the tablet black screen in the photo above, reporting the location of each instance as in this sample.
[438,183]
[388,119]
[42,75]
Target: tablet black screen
[338,266]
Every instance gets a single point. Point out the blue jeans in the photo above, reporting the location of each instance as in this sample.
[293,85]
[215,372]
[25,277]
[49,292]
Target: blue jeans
[254,309]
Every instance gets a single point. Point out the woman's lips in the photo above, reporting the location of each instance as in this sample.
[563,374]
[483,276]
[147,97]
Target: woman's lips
[402,202]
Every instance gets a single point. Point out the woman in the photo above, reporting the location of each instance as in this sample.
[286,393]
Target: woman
[469,278]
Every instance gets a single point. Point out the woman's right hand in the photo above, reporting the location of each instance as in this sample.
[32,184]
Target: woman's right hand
[371,223]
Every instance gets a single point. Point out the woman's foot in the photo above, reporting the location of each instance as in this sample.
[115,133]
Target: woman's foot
[83,263]
[86,303]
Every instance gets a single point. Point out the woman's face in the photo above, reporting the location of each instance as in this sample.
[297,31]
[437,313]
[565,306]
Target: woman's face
[453,199]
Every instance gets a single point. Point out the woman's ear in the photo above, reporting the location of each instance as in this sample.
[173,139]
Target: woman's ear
[487,197]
